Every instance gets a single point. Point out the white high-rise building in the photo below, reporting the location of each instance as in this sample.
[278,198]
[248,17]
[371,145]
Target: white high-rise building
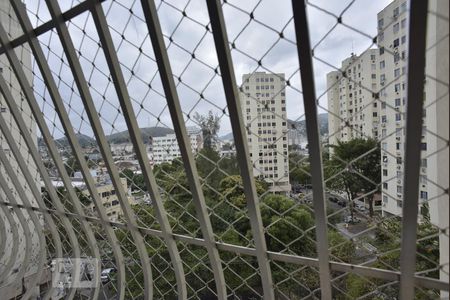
[437,101]
[392,43]
[12,286]
[263,101]
[354,113]
[165,148]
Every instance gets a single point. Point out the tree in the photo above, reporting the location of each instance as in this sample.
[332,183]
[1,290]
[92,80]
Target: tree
[299,169]
[72,165]
[359,160]
[210,125]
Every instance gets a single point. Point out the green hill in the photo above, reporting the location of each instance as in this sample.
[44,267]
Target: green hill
[146,133]
[116,138]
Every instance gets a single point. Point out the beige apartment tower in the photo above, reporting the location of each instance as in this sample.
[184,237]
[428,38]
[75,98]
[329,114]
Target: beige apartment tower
[263,101]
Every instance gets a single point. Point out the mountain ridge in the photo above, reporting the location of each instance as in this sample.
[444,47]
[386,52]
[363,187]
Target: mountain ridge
[115,138]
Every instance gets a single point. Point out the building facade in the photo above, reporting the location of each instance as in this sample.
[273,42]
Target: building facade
[263,101]
[165,148]
[109,199]
[437,101]
[353,109]
[392,44]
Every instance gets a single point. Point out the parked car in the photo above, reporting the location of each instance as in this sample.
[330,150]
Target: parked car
[333,199]
[107,274]
[342,202]
[361,207]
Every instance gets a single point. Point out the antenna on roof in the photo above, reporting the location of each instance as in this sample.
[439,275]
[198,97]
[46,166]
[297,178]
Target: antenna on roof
[352,48]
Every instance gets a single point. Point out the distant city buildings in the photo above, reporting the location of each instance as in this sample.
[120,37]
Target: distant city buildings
[263,101]
[106,192]
[165,148]
[109,199]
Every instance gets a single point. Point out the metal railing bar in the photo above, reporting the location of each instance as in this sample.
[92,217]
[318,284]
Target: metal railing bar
[49,25]
[3,235]
[414,111]
[53,230]
[233,102]
[68,130]
[26,88]
[97,128]
[173,102]
[13,225]
[139,148]
[315,151]
[425,282]
[44,175]
[28,239]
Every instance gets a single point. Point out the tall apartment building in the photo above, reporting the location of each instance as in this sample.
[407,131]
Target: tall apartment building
[263,101]
[165,148]
[392,44]
[437,101]
[353,111]
[12,286]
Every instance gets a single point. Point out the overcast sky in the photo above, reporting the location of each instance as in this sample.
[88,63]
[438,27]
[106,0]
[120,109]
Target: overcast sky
[253,42]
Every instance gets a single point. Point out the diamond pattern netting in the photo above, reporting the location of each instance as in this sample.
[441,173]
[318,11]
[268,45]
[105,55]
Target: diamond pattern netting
[363,139]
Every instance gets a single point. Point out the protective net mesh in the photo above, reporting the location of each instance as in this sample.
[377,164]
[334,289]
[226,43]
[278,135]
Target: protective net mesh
[120,144]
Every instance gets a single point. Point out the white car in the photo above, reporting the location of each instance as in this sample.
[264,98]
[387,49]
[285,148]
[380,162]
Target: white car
[106,274]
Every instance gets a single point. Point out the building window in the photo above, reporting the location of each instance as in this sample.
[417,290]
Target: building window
[382,64]
[403,39]
[396,43]
[423,146]
[424,163]
[403,6]
[403,23]
[396,27]
[397,102]
[2,109]
[380,23]
[385,199]
[398,117]
[385,172]
[383,119]
[397,87]
[381,50]
[423,195]
[396,12]
[423,179]
[397,72]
